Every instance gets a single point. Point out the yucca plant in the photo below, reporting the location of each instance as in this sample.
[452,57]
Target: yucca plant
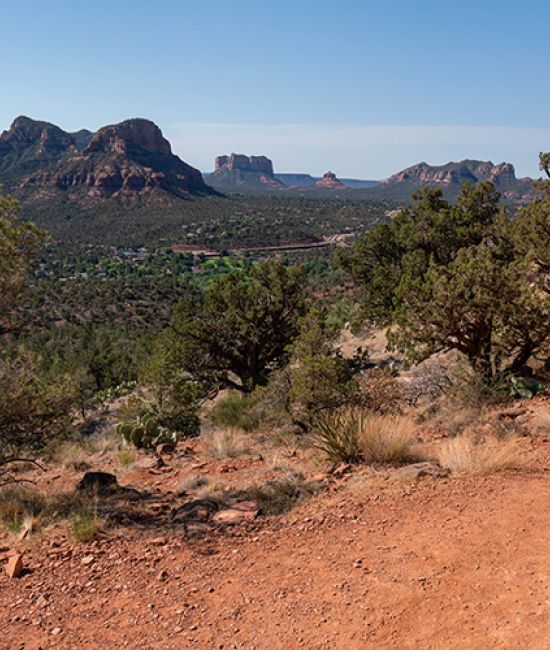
[352,435]
[335,434]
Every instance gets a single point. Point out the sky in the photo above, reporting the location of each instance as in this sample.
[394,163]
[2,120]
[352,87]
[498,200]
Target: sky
[360,87]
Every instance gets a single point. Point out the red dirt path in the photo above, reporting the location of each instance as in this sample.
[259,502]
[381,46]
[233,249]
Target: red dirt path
[442,563]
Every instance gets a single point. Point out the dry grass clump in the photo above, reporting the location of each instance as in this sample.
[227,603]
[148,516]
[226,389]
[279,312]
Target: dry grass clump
[227,443]
[387,439]
[353,436]
[464,454]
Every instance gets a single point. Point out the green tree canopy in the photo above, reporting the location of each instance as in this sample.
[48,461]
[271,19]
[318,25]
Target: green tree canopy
[19,244]
[460,277]
[237,330]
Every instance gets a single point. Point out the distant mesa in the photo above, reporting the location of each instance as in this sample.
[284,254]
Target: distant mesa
[244,163]
[240,172]
[454,174]
[129,161]
[329,181]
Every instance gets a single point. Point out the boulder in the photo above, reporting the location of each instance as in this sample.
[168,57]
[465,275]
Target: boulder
[237,514]
[14,567]
[197,510]
[98,482]
[418,470]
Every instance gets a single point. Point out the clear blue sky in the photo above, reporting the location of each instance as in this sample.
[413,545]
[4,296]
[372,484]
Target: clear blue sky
[361,87]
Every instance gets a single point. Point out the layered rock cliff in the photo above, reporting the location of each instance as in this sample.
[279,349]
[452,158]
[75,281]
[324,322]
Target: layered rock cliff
[457,173]
[129,161]
[237,172]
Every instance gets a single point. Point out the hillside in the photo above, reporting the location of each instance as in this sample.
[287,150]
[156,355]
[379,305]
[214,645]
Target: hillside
[130,162]
[451,176]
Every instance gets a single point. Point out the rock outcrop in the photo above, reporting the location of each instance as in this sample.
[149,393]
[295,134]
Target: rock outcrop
[260,164]
[329,181]
[457,173]
[129,161]
[237,172]
[29,145]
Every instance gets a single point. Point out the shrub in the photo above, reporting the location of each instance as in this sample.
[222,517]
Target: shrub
[32,410]
[465,455]
[378,390]
[352,435]
[235,410]
[318,378]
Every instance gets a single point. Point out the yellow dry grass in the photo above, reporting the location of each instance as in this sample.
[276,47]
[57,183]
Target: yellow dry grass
[465,455]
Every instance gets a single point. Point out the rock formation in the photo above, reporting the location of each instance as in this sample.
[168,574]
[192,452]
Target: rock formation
[129,161]
[329,181]
[502,175]
[237,172]
[260,164]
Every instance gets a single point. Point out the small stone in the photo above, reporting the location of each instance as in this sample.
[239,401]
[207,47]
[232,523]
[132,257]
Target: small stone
[56,631]
[14,567]
[88,559]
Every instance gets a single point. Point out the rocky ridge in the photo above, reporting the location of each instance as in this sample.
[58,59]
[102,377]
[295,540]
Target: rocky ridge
[129,161]
[457,173]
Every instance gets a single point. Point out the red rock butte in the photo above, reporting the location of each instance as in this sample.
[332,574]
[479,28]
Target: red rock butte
[330,181]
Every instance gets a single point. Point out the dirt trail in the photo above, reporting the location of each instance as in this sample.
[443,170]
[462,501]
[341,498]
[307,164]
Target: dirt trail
[442,563]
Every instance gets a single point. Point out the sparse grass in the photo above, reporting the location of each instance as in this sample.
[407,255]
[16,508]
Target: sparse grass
[278,462]
[280,495]
[283,437]
[454,417]
[193,483]
[72,455]
[227,443]
[353,436]
[14,525]
[18,504]
[465,455]
[30,509]
[84,525]
[126,457]
[215,490]
[541,423]
[105,443]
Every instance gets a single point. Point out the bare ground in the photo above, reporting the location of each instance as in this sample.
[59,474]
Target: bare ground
[373,562]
